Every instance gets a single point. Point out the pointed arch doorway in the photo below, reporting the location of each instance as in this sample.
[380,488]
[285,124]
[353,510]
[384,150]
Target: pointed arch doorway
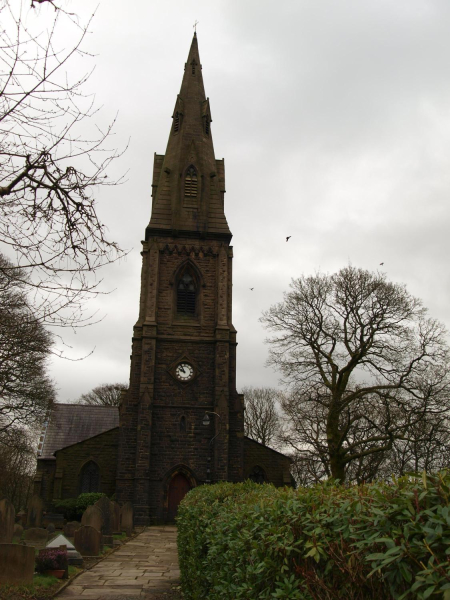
[179,486]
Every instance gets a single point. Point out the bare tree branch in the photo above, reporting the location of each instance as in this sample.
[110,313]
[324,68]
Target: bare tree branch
[366,367]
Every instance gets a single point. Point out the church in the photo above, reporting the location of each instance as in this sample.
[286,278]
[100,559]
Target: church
[181,422]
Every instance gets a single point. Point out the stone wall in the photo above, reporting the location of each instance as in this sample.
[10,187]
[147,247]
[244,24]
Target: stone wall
[102,449]
[275,465]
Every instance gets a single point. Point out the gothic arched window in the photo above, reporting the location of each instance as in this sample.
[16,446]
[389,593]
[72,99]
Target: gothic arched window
[90,478]
[190,183]
[257,475]
[186,294]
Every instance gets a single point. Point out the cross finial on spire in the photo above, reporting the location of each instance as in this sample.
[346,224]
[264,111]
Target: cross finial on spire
[195,27]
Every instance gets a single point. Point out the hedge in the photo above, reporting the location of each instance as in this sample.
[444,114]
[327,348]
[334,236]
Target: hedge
[376,541]
[73,508]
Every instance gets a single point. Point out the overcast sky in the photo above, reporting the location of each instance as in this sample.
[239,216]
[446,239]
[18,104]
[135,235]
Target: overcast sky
[333,118]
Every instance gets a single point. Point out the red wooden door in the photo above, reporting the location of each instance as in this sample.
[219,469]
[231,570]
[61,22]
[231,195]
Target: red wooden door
[178,488]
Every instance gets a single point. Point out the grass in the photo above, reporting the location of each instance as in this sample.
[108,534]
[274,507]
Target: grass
[42,588]
[120,536]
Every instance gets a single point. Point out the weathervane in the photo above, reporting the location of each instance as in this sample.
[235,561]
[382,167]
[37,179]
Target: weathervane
[195,26]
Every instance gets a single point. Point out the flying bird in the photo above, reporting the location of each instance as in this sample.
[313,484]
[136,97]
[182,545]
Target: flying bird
[381,264]
[251,289]
[289,236]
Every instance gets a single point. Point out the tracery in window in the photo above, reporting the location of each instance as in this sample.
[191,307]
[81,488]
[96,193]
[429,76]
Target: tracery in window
[190,183]
[90,478]
[186,295]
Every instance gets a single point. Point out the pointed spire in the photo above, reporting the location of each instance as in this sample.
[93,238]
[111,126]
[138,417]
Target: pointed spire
[188,182]
[192,84]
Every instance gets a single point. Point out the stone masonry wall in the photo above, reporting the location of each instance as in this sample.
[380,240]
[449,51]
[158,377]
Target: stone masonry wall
[275,464]
[102,449]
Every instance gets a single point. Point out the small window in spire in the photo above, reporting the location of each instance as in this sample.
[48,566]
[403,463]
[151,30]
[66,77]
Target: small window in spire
[176,122]
[186,295]
[207,122]
[190,183]
[193,65]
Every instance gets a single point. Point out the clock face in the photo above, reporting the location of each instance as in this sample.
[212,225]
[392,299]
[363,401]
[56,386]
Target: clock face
[184,371]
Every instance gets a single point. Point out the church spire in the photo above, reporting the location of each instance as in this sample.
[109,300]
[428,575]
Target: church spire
[188,181]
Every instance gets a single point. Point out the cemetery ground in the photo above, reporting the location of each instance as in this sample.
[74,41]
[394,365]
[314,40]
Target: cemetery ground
[144,566]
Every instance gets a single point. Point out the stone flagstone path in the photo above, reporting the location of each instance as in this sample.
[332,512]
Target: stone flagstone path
[144,567]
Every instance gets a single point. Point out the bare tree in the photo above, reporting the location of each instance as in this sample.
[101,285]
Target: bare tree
[106,394]
[262,421]
[53,157]
[17,465]
[365,364]
[26,392]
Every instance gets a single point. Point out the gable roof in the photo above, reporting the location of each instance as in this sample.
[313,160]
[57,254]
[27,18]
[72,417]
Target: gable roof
[72,423]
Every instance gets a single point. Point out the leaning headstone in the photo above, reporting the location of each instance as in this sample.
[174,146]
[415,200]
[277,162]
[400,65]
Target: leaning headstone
[126,518]
[115,517]
[35,536]
[71,527]
[92,516]
[74,557]
[88,541]
[16,564]
[106,508]
[7,518]
[35,509]
[18,530]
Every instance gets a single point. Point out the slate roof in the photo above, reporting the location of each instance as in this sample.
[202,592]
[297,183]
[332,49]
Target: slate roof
[72,423]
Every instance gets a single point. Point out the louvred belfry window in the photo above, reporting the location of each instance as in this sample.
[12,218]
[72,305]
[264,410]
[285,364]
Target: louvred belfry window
[186,295]
[190,183]
[176,122]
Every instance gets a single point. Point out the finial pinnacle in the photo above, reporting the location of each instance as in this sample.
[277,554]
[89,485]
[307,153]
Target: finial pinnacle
[195,28]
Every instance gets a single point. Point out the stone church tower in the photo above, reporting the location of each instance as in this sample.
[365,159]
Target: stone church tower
[181,422]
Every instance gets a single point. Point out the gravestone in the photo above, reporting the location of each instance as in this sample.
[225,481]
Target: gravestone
[35,536]
[16,564]
[7,518]
[21,517]
[115,517]
[18,530]
[88,541]
[92,516]
[126,518]
[71,527]
[50,528]
[73,556]
[55,518]
[35,509]
[106,508]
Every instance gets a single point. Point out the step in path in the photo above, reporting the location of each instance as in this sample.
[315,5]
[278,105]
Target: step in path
[144,567]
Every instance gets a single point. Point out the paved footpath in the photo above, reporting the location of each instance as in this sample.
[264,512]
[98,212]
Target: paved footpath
[144,567]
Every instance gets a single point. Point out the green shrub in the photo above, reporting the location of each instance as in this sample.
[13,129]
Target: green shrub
[67,507]
[375,541]
[88,499]
[73,508]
